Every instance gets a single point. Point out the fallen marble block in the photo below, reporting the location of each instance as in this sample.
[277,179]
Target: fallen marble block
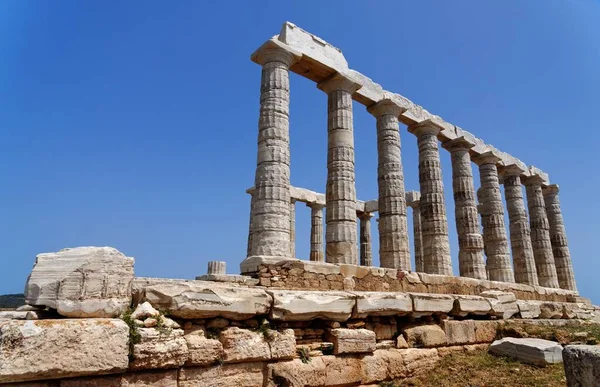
[582,365]
[82,282]
[299,305]
[533,351]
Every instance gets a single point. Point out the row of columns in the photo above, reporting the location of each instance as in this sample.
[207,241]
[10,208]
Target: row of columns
[271,226]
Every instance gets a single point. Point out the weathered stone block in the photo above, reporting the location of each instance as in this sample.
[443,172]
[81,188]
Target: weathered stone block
[418,360]
[382,304]
[485,331]
[161,378]
[342,370]
[533,351]
[238,375]
[282,344]
[465,305]
[48,349]
[582,365]
[198,299]
[383,331]
[295,373]
[425,304]
[82,282]
[550,310]
[504,304]
[159,349]
[242,345]
[425,336]
[202,351]
[290,305]
[352,340]
[529,309]
[459,332]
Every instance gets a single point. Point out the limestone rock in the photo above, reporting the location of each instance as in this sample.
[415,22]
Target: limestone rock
[228,375]
[342,370]
[401,342]
[242,345]
[417,360]
[160,378]
[459,332]
[82,282]
[198,300]
[582,365]
[352,340]
[290,305]
[295,373]
[282,344]
[202,351]
[529,309]
[425,336]
[550,310]
[533,351]
[143,311]
[159,348]
[504,304]
[425,304]
[485,331]
[48,349]
[382,304]
[13,315]
[465,305]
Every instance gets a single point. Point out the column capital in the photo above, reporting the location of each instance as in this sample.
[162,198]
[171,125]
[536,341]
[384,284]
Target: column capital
[427,126]
[386,106]
[365,215]
[535,176]
[413,198]
[339,81]
[511,170]
[275,51]
[489,157]
[459,143]
[550,189]
[250,191]
[315,206]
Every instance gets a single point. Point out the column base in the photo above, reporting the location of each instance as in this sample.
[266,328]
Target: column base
[252,264]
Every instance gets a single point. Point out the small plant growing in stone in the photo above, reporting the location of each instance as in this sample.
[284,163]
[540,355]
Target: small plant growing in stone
[386,383]
[303,352]
[327,349]
[212,333]
[134,333]
[265,328]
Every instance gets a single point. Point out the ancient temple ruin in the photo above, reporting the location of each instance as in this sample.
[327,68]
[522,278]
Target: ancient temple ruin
[334,319]
[539,244]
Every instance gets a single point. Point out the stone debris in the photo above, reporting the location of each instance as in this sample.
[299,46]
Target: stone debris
[82,282]
[352,340]
[143,311]
[51,349]
[533,351]
[582,365]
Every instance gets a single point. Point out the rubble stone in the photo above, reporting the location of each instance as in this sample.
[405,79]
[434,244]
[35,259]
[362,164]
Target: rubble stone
[425,336]
[352,340]
[159,348]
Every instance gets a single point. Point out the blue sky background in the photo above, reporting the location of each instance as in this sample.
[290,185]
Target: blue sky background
[133,124]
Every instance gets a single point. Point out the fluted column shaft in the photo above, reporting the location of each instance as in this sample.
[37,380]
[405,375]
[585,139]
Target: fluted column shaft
[558,238]
[418,238]
[470,241]
[434,225]
[540,234]
[492,218]
[366,257]
[394,251]
[520,234]
[316,233]
[340,193]
[293,228]
[270,223]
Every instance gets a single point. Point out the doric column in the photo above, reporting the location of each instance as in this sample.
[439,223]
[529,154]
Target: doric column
[270,224]
[340,193]
[520,234]
[492,217]
[540,231]
[250,191]
[470,242]
[434,225]
[217,268]
[558,238]
[316,232]
[366,257]
[293,228]
[394,249]
[413,199]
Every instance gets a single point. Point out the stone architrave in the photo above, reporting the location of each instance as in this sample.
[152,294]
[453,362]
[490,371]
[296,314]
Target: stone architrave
[470,241]
[394,249]
[270,219]
[293,228]
[492,218]
[366,256]
[558,238]
[340,232]
[434,225]
[540,232]
[413,199]
[520,234]
[316,232]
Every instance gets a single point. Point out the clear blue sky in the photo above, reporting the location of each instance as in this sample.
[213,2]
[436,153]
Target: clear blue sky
[133,124]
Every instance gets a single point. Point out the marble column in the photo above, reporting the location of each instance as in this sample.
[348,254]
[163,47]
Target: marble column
[394,251]
[492,218]
[316,232]
[366,257]
[340,192]
[413,200]
[270,223]
[540,232]
[520,234]
[558,238]
[250,191]
[470,241]
[434,225]
[217,268]
[293,228]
